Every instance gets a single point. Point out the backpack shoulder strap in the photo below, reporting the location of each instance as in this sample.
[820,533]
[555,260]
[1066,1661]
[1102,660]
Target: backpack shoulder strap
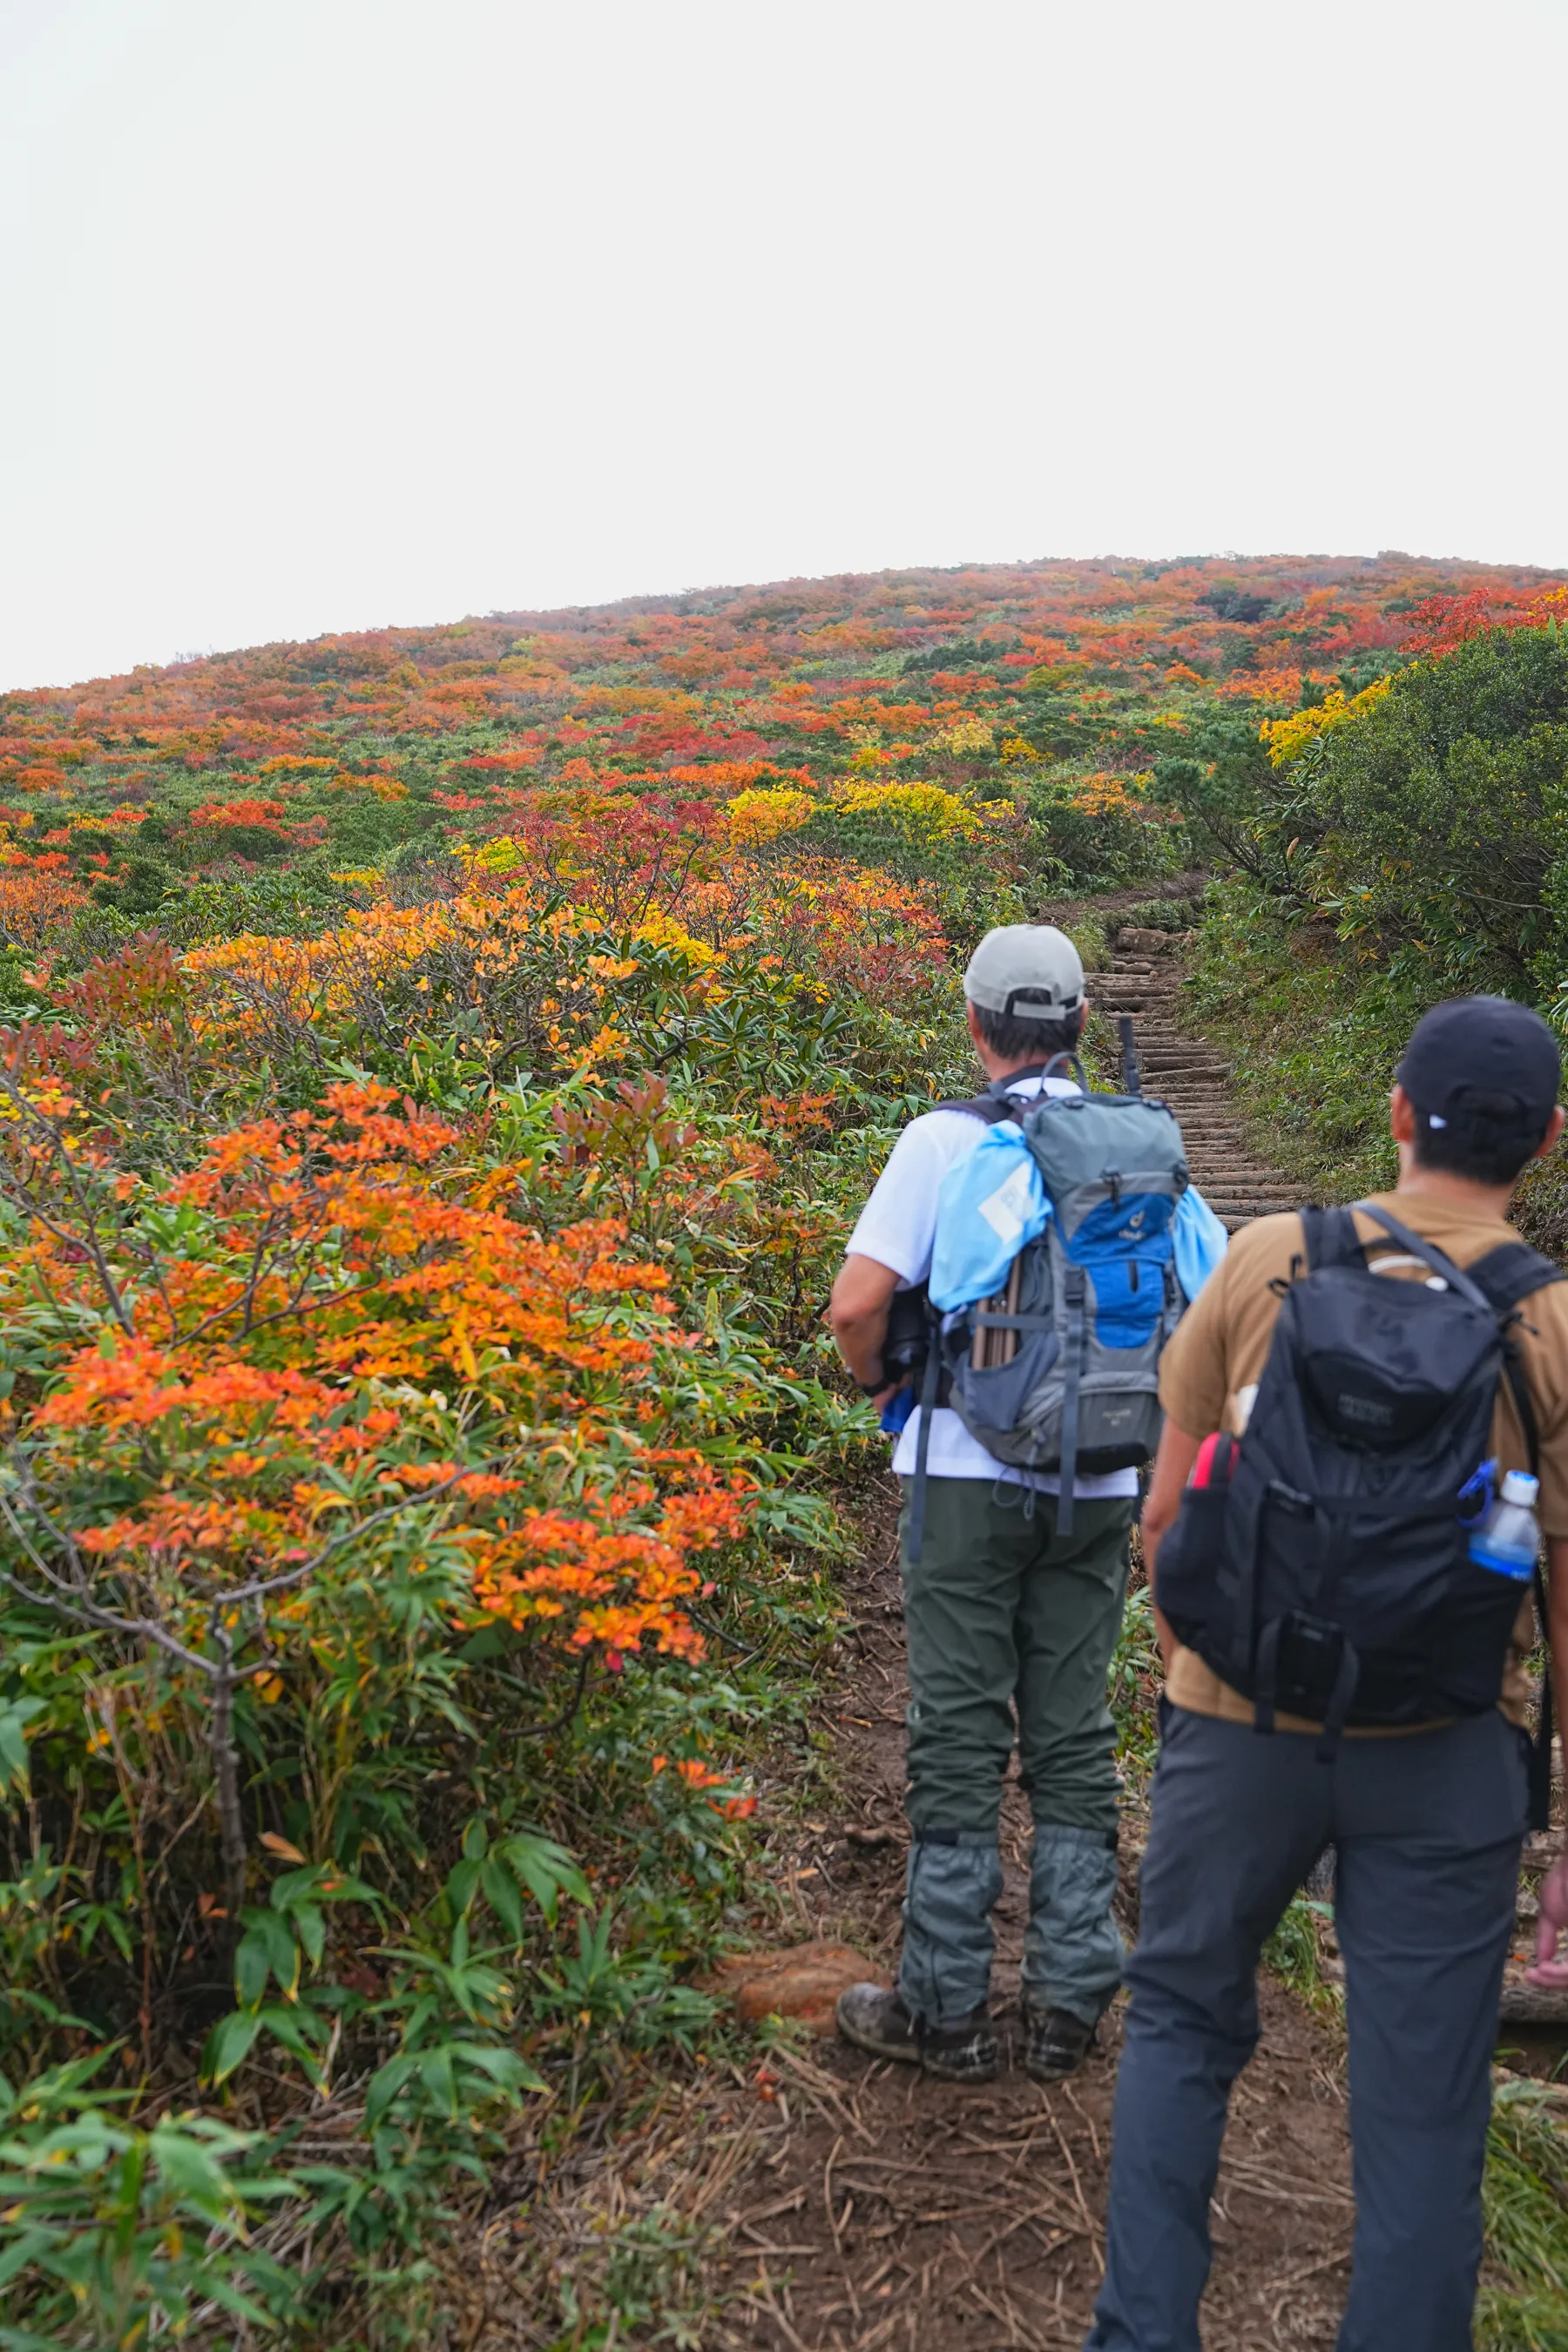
[1512,1271]
[1429,1255]
[1506,1275]
[989,1109]
[1330,1238]
[996,1103]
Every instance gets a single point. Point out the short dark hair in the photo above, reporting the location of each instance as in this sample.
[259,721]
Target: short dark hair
[1020,1040]
[1484,1138]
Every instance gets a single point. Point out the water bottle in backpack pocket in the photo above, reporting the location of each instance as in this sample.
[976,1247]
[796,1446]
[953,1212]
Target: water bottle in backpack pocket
[1507,1537]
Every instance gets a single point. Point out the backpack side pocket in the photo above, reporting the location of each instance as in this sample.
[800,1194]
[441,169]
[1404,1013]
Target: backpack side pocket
[1187,1576]
[990,1403]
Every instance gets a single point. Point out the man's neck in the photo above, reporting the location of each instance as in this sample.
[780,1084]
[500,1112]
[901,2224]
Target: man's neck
[1439,1184]
[996,1069]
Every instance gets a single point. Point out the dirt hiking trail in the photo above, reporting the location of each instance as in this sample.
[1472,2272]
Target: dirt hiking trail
[910,2213]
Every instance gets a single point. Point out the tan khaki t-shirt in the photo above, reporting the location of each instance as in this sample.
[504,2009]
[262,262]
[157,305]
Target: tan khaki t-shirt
[1210,1371]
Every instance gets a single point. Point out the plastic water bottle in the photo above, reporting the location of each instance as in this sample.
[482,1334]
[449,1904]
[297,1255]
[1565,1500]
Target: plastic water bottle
[1509,1538]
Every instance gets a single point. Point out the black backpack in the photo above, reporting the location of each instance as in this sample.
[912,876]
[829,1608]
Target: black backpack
[1324,1569]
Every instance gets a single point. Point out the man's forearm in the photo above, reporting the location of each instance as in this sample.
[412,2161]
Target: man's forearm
[1154,1527]
[858,1315]
[1172,1467]
[860,1340]
[1151,1529]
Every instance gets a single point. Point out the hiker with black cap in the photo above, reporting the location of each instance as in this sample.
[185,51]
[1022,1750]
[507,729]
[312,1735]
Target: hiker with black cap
[1356,1406]
[1013,1594]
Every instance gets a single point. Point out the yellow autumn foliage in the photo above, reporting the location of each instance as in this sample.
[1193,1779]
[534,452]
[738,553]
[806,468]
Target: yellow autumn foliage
[926,809]
[970,739]
[662,930]
[1288,737]
[759,817]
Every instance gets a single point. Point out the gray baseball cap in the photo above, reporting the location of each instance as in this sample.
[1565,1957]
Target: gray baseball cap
[1029,971]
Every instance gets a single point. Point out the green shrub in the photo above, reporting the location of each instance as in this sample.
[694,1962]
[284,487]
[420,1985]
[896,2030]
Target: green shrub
[1414,850]
[1313,1035]
[1100,829]
[1440,819]
[108,2230]
[1159,914]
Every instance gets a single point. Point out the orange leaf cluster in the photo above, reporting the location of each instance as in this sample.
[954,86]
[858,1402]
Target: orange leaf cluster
[341,1270]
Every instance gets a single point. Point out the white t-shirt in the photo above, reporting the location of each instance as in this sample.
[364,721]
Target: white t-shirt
[898,1228]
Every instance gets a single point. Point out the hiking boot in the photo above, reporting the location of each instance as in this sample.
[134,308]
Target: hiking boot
[1056,2043]
[877,2020]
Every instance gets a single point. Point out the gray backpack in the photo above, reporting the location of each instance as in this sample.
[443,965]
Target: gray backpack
[1059,1371]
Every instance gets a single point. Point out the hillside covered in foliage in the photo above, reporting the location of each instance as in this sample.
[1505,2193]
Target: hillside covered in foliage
[439,1070]
[1052,700]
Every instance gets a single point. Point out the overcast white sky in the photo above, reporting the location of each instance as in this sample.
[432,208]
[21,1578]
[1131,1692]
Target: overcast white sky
[323,314]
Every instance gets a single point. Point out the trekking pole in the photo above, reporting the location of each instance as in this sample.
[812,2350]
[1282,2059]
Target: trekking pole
[1132,1083]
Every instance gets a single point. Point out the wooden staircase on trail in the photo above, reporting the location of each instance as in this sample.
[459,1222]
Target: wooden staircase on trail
[1144,979]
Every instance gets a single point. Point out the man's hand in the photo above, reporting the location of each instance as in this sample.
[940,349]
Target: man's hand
[858,1318]
[1551,1925]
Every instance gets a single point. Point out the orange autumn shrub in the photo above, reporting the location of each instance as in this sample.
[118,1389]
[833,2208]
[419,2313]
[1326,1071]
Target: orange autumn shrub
[38,900]
[331,1312]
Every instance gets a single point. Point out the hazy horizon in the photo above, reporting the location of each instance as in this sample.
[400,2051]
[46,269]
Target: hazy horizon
[321,318]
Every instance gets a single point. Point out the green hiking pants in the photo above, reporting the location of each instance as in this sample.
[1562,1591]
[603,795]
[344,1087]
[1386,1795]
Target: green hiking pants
[1001,1613]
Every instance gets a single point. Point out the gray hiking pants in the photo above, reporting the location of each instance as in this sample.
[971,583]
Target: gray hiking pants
[1426,1832]
[1011,1630]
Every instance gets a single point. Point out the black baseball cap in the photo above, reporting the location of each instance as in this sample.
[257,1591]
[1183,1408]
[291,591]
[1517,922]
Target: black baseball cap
[1486,1066]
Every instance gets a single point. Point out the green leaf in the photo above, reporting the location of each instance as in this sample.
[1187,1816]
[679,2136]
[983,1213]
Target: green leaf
[282,1951]
[312,1930]
[460,1886]
[476,1840]
[21,2250]
[251,1969]
[436,2075]
[295,2029]
[14,1764]
[502,1894]
[385,2085]
[190,2170]
[504,2066]
[545,1869]
[489,1642]
[319,1882]
[229,2043]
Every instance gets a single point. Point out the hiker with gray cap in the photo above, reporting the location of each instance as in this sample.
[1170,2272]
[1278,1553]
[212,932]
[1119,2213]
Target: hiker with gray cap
[1004,1300]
